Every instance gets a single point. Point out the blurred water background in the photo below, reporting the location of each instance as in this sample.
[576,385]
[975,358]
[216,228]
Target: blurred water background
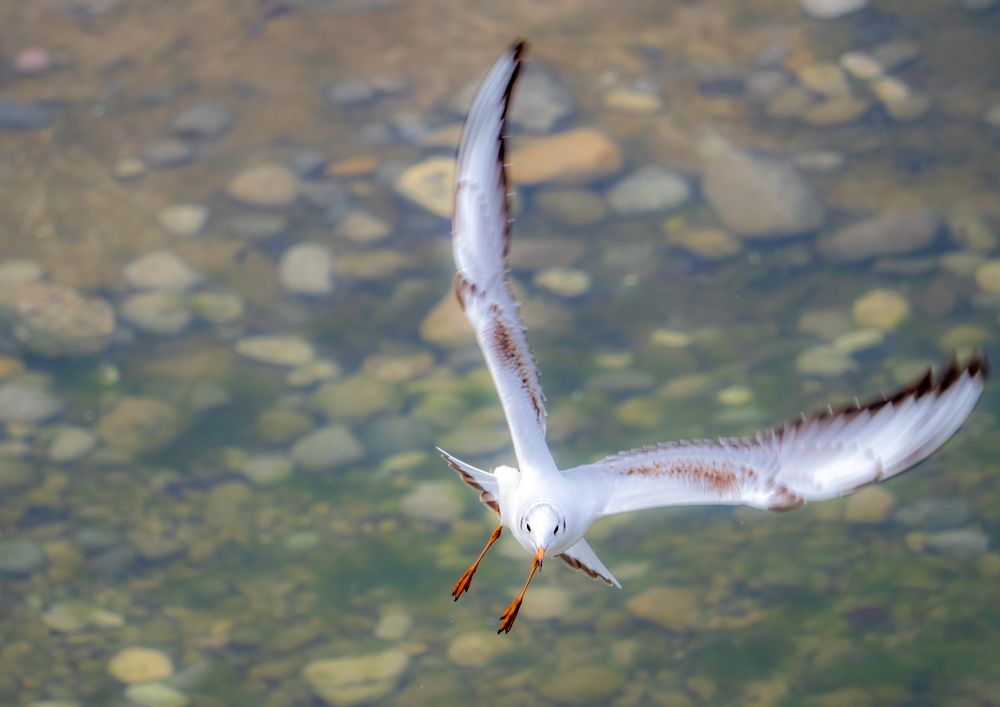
[228,347]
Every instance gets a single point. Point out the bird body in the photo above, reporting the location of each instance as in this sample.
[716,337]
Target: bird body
[814,457]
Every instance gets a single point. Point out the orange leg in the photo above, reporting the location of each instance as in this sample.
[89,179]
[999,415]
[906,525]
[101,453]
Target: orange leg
[507,619]
[463,583]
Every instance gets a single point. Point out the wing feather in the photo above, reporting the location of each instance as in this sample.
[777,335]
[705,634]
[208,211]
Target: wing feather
[480,242]
[828,454]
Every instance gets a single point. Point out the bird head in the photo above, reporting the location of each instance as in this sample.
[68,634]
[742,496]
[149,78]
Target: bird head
[543,524]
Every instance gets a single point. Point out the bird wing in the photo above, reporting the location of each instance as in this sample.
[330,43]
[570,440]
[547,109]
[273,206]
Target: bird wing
[583,559]
[831,453]
[482,481]
[480,241]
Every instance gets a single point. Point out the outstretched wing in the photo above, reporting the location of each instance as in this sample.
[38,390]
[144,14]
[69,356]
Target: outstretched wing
[831,453]
[583,559]
[480,240]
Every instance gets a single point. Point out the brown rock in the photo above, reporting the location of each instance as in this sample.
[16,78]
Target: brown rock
[574,156]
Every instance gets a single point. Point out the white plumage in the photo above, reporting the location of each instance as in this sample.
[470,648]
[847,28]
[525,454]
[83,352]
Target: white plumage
[828,454]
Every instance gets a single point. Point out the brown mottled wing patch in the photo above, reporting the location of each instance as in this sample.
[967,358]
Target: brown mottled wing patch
[580,567]
[830,453]
[465,474]
[480,242]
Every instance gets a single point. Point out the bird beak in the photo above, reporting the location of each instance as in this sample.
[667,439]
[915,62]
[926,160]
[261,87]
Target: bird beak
[539,556]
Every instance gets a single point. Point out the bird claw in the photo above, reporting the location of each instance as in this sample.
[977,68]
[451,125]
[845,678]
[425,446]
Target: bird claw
[508,616]
[463,583]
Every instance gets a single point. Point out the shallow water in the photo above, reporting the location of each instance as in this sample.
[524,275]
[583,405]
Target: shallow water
[189,518]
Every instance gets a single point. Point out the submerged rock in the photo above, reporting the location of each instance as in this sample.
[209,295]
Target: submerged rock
[893,232]
[160,270]
[139,425]
[53,320]
[356,680]
[205,120]
[138,665]
[20,557]
[831,9]
[649,189]
[327,448]
[575,156]
[759,197]
[17,115]
[266,185]
[429,184]
[291,351]
[27,402]
[307,269]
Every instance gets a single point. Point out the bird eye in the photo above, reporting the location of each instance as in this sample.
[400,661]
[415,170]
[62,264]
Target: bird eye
[556,530]
[528,526]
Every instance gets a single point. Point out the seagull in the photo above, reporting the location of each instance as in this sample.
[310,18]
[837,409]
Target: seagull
[830,453]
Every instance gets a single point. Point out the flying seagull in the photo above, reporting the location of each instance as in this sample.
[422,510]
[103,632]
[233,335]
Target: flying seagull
[831,453]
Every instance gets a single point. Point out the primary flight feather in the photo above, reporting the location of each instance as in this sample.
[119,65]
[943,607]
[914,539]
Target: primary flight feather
[831,453]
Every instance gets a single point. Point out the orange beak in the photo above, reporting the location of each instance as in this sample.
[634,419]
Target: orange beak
[539,556]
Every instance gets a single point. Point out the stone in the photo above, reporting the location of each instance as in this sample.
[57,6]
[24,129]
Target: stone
[129,168]
[258,226]
[155,694]
[307,269]
[579,155]
[398,367]
[27,402]
[156,312]
[542,101]
[445,325]
[988,276]
[205,120]
[52,320]
[649,189]
[893,232]
[708,243]
[33,61]
[316,371]
[393,625]
[734,395]
[217,307]
[673,608]
[70,444]
[824,78]
[858,340]
[280,425]
[183,220]
[572,207]
[433,500]
[831,9]
[474,649]
[19,272]
[547,602]
[826,361]
[290,351]
[357,679]
[959,542]
[363,227]
[836,111]
[160,270]
[326,448]
[933,514]
[19,115]
[591,684]
[266,186]
[565,282]
[880,309]
[758,197]
[138,665]
[267,469]
[139,425]
[19,558]
[356,398]
[633,100]
[168,153]
[429,184]
[869,505]
[966,226]
[671,338]
[861,66]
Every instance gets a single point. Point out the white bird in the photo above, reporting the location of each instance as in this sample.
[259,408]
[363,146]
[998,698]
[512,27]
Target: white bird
[828,454]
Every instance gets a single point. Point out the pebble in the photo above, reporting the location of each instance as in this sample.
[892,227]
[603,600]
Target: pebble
[649,189]
[591,684]
[356,398]
[708,243]
[326,448]
[445,325]
[20,557]
[633,100]
[831,9]
[138,665]
[19,115]
[168,153]
[183,220]
[363,227]
[880,309]
[53,320]
[474,649]
[315,371]
[960,542]
[899,100]
[433,500]
[393,625]
[356,680]
[861,66]
[258,226]
[129,168]
[278,425]
[27,402]
[266,186]
[542,101]
[859,340]
[836,111]
[869,505]
[893,232]
[671,608]
[398,367]
[267,469]
[825,78]
[155,694]
[734,395]
[70,444]
[758,197]
[933,514]
[895,54]
[572,207]
[290,351]
[826,361]
[671,338]
[379,264]
[578,155]
[19,272]
[565,282]
[160,270]
[307,269]
[988,275]
[357,166]
[32,61]
[429,184]
[547,602]
[217,307]
[156,312]
[206,120]
[139,425]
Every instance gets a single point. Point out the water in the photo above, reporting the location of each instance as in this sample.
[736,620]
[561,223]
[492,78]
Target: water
[189,524]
